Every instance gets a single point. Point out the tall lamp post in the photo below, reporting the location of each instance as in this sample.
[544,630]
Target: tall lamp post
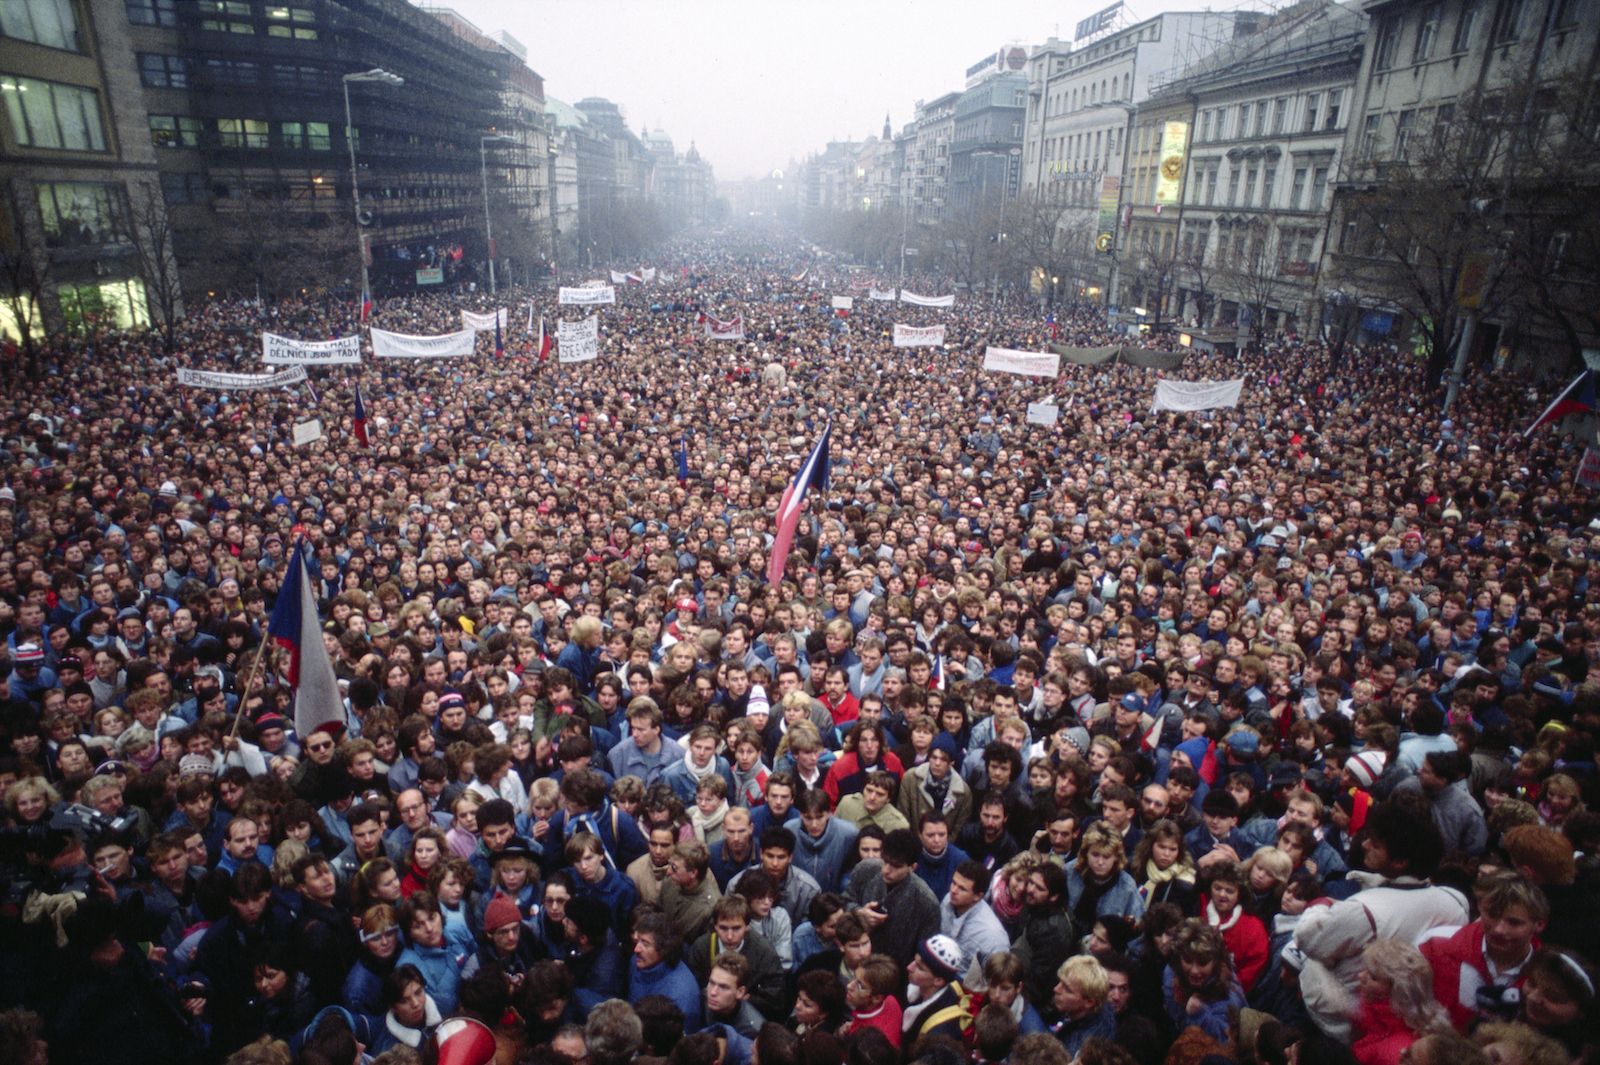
[555,226]
[483,170]
[383,77]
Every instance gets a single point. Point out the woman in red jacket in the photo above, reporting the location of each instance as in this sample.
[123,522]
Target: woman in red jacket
[1396,1006]
[1245,935]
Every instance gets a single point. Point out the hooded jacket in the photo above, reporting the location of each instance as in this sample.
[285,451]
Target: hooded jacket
[824,857]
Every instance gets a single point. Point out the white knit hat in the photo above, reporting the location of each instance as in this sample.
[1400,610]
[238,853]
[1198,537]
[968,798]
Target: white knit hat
[943,956]
[1367,767]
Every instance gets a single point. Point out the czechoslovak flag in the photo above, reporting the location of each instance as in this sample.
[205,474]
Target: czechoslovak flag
[358,421]
[295,625]
[1576,398]
[544,341]
[813,474]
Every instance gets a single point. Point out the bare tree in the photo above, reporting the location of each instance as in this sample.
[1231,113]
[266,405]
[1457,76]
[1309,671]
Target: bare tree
[1422,219]
[1046,235]
[149,230]
[1552,254]
[24,279]
[1254,271]
[1153,265]
[967,242]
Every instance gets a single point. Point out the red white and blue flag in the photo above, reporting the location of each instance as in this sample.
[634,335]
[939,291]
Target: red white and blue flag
[1576,398]
[295,626]
[366,305]
[1050,321]
[499,342]
[544,342]
[358,421]
[813,474]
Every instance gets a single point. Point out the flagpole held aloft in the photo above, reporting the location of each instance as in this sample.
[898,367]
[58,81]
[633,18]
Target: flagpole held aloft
[296,626]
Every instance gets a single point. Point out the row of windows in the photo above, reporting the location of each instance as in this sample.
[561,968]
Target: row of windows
[1259,118]
[51,23]
[1257,181]
[223,16]
[1103,91]
[178,131]
[1517,21]
[1085,151]
[47,114]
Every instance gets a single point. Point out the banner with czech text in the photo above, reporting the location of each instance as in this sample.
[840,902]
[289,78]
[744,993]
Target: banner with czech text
[387,345]
[918,336]
[588,297]
[1025,363]
[882,295]
[578,341]
[286,351]
[1197,395]
[732,329]
[483,323]
[241,382]
[915,300]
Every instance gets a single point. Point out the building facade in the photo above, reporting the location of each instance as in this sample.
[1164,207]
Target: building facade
[80,194]
[1463,215]
[928,158]
[1081,101]
[1270,113]
[986,153]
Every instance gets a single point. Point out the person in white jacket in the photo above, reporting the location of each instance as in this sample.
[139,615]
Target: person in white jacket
[1401,848]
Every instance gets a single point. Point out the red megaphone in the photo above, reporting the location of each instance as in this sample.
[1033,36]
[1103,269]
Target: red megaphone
[464,1041]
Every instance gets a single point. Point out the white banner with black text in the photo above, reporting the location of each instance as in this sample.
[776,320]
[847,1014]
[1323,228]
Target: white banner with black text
[588,297]
[484,322]
[918,336]
[241,382]
[1197,395]
[1023,363]
[578,341]
[286,351]
[927,301]
[387,345]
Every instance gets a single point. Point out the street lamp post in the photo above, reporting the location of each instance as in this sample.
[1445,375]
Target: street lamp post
[483,170]
[555,226]
[382,77]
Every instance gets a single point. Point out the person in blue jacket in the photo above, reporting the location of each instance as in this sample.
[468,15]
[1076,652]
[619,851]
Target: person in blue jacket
[594,877]
[423,922]
[700,760]
[585,808]
[593,955]
[824,841]
[658,968]
[1199,988]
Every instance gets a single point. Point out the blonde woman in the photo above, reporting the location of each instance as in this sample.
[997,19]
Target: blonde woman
[1396,1006]
[1098,885]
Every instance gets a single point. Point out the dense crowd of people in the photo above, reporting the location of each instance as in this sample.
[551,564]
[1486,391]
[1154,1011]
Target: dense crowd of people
[1259,736]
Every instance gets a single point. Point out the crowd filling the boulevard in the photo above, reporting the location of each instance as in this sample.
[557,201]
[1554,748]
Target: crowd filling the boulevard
[1259,735]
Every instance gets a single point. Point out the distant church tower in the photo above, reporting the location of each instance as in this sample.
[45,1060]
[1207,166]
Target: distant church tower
[887,135]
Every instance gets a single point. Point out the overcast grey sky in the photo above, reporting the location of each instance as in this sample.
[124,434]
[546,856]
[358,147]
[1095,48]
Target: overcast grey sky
[755,83]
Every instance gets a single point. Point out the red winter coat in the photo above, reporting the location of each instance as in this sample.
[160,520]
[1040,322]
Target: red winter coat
[1247,942]
[1384,1036]
[1459,970]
